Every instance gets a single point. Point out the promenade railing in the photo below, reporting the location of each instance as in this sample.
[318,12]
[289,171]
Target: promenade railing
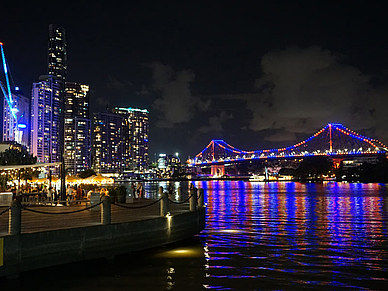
[17,207]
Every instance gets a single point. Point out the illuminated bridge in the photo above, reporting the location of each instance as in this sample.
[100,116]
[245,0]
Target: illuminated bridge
[334,140]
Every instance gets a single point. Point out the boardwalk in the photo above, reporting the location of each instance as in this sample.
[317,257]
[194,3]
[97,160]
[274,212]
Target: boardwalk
[35,222]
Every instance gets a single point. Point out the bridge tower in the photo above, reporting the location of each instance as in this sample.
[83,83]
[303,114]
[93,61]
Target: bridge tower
[217,170]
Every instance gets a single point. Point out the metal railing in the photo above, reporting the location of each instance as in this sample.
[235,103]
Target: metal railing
[16,208]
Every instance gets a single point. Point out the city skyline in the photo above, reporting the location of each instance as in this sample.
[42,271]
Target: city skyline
[258,76]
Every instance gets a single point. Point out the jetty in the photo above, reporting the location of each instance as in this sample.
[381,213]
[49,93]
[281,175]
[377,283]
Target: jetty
[39,236]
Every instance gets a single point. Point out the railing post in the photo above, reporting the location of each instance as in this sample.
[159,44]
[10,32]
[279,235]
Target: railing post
[164,206]
[193,199]
[15,218]
[201,200]
[105,211]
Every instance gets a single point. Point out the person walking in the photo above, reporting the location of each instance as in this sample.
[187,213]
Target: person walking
[139,190]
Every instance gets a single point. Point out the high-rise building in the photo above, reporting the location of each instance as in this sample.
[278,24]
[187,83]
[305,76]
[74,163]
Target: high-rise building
[136,131]
[77,150]
[16,120]
[57,67]
[108,145]
[57,54]
[45,119]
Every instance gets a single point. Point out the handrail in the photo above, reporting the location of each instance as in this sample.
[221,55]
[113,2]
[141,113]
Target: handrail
[63,212]
[137,207]
[5,210]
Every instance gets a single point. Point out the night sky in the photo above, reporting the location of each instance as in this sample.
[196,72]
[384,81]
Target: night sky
[258,75]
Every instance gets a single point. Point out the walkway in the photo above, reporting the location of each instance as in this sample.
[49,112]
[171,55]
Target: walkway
[36,222]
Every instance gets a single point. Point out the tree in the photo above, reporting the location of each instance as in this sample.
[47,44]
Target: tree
[16,157]
[313,168]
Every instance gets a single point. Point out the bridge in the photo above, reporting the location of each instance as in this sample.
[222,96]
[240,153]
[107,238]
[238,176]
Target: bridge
[334,140]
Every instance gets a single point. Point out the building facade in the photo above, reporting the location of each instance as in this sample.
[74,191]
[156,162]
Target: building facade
[57,67]
[136,132]
[77,147]
[45,119]
[57,54]
[16,120]
[108,145]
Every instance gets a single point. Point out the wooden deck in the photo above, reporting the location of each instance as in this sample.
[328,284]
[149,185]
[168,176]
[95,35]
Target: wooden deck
[36,222]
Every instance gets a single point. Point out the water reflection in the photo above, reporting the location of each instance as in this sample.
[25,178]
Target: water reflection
[290,235]
[285,235]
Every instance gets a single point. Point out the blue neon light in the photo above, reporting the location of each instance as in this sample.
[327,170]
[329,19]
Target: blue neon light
[22,125]
[9,99]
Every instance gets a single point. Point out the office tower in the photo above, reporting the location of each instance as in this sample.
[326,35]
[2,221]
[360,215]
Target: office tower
[57,67]
[57,54]
[108,145]
[77,150]
[45,119]
[16,120]
[136,130]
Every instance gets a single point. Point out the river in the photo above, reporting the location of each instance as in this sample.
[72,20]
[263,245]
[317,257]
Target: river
[259,236]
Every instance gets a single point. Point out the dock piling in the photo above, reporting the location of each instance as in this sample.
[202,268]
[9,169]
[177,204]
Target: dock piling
[106,211]
[201,200]
[15,218]
[193,199]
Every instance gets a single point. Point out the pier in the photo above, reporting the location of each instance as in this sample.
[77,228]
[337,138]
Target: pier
[46,235]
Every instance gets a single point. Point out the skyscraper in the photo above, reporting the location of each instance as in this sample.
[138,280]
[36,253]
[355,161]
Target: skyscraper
[57,54]
[108,145]
[45,119]
[16,120]
[57,67]
[136,131]
[77,151]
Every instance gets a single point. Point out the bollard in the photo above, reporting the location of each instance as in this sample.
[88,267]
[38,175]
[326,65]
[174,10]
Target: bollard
[164,206]
[201,198]
[179,192]
[105,211]
[160,191]
[15,218]
[193,199]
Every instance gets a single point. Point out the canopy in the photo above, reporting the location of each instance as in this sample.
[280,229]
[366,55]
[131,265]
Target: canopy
[15,167]
[99,179]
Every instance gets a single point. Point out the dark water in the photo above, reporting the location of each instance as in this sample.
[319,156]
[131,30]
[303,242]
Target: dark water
[259,236]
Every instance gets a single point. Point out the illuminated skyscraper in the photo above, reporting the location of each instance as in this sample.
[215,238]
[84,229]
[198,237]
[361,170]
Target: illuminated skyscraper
[45,119]
[136,131]
[57,54]
[108,145]
[57,67]
[77,151]
[22,112]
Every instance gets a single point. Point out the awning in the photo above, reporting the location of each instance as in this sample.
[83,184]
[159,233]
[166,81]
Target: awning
[15,167]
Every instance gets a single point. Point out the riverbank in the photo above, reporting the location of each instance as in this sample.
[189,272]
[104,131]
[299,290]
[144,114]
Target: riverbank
[126,232]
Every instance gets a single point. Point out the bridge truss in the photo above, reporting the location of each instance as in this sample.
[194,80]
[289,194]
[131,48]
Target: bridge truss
[332,140]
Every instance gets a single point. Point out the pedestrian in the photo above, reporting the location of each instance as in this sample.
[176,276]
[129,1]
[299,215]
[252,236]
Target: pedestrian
[133,190]
[79,193]
[139,190]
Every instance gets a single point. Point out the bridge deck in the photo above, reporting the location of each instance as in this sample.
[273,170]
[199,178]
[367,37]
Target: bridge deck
[36,222]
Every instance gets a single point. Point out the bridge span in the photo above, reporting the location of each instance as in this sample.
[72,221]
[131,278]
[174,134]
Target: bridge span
[334,141]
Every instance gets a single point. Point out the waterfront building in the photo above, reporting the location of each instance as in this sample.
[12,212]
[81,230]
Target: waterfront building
[77,148]
[45,119]
[136,131]
[57,67]
[16,120]
[168,165]
[57,54]
[108,146]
